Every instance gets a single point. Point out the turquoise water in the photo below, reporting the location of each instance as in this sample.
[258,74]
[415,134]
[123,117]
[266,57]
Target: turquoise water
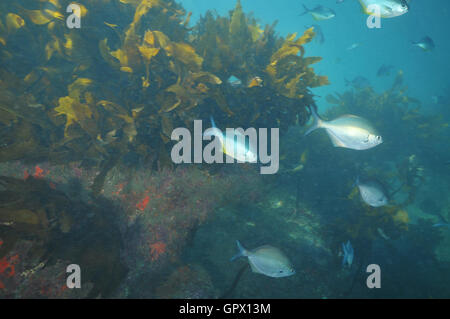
[88,177]
[389,45]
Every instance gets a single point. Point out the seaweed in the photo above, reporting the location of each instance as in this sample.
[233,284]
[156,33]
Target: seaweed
[132,77]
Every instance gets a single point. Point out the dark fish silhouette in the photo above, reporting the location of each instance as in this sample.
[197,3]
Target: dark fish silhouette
[318,31]
[385,70]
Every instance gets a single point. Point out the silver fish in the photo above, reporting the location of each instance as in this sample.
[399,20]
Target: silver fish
[372,193]
[266,260]
[387,8]
[319,13]
[348,131]
[234,145]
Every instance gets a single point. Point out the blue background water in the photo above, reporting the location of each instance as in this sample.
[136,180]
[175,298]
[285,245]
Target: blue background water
[308,210]
[426,73]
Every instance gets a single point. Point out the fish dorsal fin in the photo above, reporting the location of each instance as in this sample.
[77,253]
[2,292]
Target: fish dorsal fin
[264,248]
[350,116]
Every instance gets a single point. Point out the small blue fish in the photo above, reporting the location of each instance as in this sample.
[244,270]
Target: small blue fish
[442,221]
[234,81]
[441,225]
[384,70]
[426,44]
[438,99]
[353,46]
[347,260]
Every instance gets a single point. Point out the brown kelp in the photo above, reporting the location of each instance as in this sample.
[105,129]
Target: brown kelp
[122,82]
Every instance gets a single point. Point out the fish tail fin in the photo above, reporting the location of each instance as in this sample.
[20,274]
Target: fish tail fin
[305,12]
[344,251]
[242,251]
[213,131]
[317,122]
[213,124]
[363,7]
[356,183]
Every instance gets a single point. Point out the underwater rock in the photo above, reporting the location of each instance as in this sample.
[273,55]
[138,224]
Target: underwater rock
[187,282]
[40,225]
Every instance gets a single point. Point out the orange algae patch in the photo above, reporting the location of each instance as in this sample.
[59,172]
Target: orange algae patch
[142,205]
[25,174]
[157,249]
[38,173]
[119,189]
[63,288]
[8,265]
